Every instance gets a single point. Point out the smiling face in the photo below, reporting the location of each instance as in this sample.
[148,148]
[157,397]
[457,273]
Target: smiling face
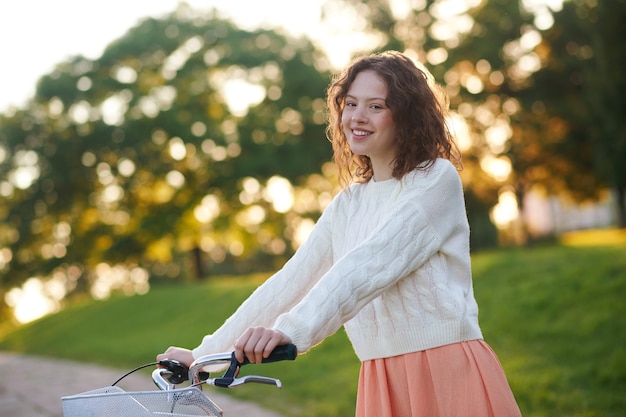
[368,123]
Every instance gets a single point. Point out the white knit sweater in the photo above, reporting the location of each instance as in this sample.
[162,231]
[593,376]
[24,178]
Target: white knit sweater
[389,260]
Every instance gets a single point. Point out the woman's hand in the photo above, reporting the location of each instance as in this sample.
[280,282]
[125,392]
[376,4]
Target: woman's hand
[257,343]
[181,355]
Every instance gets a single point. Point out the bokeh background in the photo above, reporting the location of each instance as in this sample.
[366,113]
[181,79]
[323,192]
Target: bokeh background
[187,139]
[157,155]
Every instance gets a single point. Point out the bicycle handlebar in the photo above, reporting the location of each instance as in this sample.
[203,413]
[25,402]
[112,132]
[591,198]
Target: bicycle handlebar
[173,372]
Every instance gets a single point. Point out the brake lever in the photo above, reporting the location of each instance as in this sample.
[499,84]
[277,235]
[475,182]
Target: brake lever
[230,382]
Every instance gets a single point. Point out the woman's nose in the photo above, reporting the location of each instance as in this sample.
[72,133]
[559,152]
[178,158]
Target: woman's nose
[358,115]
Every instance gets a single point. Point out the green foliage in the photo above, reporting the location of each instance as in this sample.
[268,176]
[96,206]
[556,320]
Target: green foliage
[565,112]
[554,315]
[570,138]
[120,152]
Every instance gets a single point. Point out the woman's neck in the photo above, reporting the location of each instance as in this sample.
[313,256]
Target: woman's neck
[382,172]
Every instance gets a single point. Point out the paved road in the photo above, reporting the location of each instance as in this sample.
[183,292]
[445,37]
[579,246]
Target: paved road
[33,386]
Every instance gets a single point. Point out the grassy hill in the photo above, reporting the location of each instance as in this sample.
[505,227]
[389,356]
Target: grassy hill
[555,316]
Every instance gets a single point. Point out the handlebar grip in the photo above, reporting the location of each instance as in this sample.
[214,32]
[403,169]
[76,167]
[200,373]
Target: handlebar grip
[280,353]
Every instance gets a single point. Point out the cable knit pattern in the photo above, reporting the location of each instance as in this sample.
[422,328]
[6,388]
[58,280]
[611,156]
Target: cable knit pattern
[389,260]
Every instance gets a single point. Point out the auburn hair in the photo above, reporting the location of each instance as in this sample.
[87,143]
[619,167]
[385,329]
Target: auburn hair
[419,108]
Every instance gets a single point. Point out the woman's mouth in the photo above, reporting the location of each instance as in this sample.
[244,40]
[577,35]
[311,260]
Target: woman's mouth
[360,133]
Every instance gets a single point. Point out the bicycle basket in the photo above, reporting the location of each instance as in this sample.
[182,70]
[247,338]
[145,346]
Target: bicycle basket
[115,402]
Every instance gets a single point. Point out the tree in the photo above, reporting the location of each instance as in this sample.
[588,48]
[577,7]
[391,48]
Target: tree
[540,101]
[591,37]
[170,144]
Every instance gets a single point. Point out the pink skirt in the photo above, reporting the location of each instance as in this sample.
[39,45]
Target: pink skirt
[459,380]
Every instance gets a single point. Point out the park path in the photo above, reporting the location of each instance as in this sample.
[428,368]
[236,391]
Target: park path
[32,386]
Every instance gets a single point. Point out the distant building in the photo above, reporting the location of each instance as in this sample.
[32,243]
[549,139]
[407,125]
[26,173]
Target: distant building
[555,215]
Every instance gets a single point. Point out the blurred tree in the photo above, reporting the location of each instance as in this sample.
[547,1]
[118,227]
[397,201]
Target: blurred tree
[577,97]
[536,90]
[187,136]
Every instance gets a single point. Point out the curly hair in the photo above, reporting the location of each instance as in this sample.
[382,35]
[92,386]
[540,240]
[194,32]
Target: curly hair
[418,106]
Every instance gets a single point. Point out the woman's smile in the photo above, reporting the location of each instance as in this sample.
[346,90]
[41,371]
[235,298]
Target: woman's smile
[360,134]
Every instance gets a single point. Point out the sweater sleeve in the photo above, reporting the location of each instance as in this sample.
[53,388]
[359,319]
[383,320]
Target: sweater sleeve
[428,212]
[280,293]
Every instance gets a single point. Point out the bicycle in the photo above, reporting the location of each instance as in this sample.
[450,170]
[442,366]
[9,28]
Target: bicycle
[169,401]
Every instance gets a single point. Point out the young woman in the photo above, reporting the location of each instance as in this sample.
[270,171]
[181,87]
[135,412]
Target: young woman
[388,259]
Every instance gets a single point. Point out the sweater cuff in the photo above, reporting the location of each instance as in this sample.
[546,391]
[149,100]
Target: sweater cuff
[295,333]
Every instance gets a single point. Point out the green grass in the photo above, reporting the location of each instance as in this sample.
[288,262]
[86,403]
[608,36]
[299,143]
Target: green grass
[555,316]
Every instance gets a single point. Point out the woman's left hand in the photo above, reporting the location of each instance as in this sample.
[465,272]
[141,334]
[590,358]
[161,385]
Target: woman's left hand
[257,343]
[181,355]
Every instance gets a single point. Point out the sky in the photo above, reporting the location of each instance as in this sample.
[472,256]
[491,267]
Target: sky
[35,35]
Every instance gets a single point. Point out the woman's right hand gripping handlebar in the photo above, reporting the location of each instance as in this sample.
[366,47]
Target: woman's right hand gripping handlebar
[257,343]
